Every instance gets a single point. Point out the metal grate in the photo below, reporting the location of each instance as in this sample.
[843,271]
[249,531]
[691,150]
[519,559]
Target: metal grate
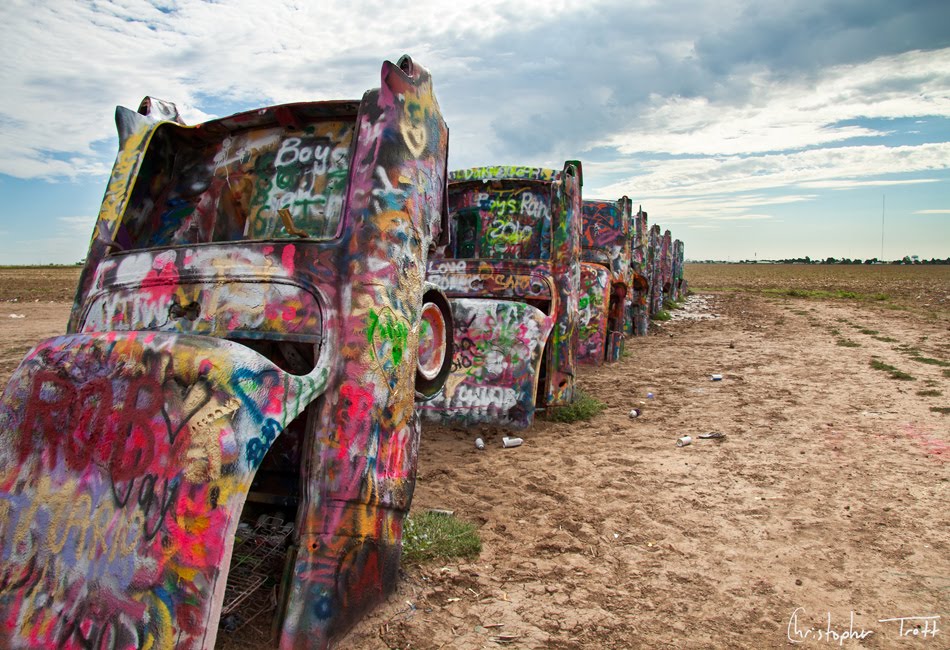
[256,563]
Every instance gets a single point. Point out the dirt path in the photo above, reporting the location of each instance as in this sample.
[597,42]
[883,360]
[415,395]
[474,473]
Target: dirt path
[828,493]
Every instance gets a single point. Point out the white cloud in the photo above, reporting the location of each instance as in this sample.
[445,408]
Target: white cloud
[742,217]
[80,224]
[845,184]
[77,61]
[932,212]
[778,114]
[729,174]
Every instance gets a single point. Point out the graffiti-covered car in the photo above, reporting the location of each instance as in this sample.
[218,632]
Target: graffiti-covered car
[512,273]
[242,360]
[606,278]
[679,283]
[640,295]
[666,267]
[654,260]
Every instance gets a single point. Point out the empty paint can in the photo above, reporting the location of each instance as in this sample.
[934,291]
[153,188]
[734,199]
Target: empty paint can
[634,413]
[715,377]
[511,442]
[685,440]
[479,443]
[649,395]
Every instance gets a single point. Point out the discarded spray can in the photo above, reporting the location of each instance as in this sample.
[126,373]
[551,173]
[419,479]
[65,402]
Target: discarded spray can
[715,377]
[649,395]
[510,442]
[479,443]
[685,440]
[634,413]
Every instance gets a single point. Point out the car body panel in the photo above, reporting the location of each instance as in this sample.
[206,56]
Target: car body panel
[128,458]
[499,346]
[593,305]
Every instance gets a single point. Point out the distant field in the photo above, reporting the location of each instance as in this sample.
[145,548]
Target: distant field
[43,283]
[914,287]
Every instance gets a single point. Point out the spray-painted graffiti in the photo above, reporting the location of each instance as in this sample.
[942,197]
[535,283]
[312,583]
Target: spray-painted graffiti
[679,283]
[640,297]
[666,265]
[132,447]
[502,172]
[516,236]
[657,266]
[607,242]
[592,304]
[498,348]
[506,223]
[126,460]
[655,269]
[500,278]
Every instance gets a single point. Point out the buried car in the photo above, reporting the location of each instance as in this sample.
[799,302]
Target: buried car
[639,318]
[606,278]
[512,274]
[249,333]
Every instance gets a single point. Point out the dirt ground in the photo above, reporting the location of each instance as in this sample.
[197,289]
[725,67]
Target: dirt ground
[827,497]
[829,493]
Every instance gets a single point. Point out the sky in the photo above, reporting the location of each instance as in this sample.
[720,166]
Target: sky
[751,130]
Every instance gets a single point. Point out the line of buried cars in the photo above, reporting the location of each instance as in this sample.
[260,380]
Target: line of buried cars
[540,281]
[269,302]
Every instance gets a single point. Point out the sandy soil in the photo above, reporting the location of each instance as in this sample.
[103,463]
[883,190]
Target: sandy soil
[828,493]
[23,325]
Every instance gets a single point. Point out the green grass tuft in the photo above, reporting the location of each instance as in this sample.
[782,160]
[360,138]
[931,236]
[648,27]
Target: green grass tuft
[584,407]
[885,339]
[931,362]
[945,410]
[929,393]
[868,332]
[894,372]
[820,293]
[848,343]
[432,535]
[661,315]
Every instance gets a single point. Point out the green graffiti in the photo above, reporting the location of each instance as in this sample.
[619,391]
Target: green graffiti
[389,330]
